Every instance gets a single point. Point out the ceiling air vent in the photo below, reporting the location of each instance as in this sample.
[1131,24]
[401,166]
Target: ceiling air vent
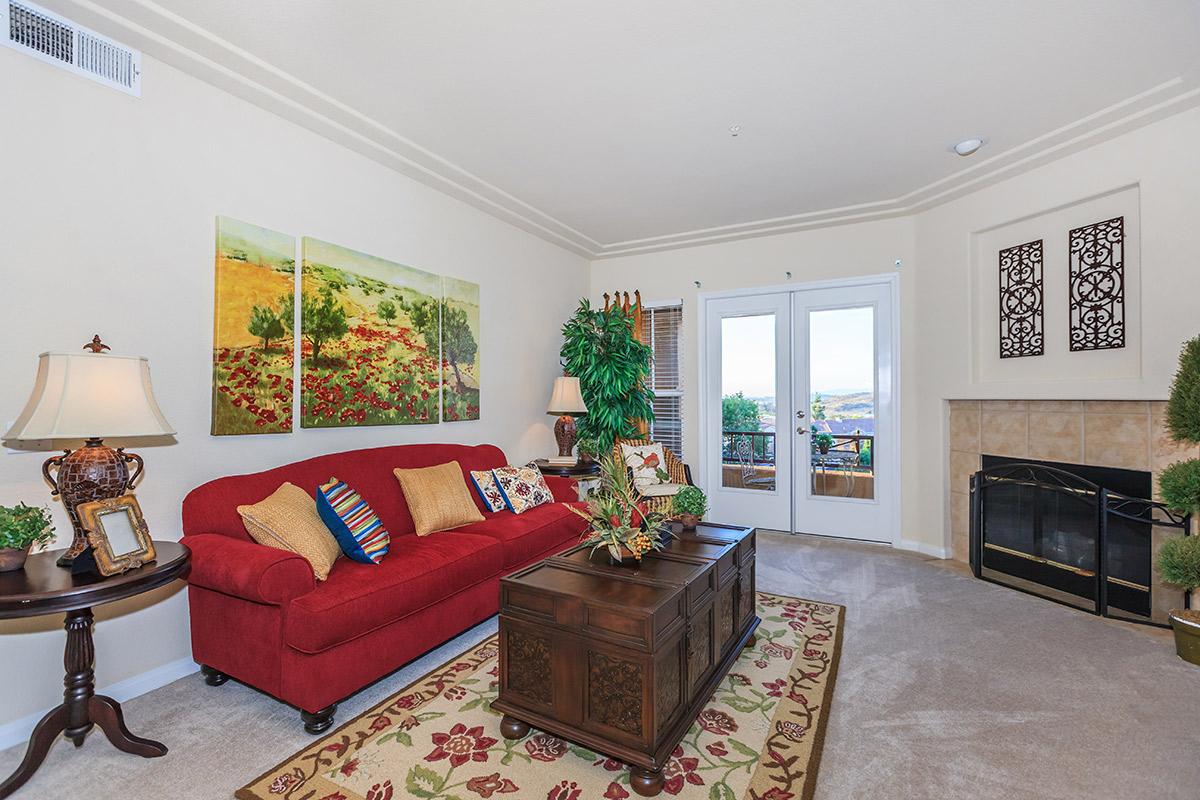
[56,40]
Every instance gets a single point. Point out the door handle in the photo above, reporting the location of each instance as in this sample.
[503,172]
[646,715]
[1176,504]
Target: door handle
[802,430]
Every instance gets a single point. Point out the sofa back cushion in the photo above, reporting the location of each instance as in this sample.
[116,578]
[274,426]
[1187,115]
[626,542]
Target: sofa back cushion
[212,507]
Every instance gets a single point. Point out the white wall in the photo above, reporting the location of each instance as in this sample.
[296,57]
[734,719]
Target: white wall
[1162,162]
[936,301]
[108,206]
[870,248]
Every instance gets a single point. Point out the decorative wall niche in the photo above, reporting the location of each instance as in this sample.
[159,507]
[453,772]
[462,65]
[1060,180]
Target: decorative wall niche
[1022,299]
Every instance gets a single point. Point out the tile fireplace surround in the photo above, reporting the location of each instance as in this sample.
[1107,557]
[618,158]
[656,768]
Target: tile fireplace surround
[1129,434]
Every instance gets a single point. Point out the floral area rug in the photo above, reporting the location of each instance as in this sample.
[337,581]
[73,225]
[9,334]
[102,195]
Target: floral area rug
[759,737]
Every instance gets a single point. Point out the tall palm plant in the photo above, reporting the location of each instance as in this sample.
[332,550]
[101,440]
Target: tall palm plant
[600,348]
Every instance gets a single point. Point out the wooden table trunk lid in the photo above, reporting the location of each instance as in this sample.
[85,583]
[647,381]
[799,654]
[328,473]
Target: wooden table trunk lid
[622,658]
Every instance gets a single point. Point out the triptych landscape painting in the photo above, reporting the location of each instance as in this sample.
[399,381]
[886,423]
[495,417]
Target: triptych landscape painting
[380,343]
[252,335]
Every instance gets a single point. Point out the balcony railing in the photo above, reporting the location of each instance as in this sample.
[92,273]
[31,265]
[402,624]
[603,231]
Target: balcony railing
[757,448]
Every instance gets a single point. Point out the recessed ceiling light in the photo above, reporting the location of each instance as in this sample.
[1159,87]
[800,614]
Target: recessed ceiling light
[734,130]
[968,146]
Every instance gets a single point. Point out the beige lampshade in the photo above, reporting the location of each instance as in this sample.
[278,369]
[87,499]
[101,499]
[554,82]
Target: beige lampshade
[85,395]
[566,399]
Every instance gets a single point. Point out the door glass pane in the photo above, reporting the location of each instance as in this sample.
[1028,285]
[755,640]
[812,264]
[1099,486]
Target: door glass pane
[841,346]
[748,402]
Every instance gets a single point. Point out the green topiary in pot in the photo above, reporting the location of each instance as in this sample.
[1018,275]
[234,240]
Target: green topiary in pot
[689,504]
[21,527]
[1180,486]
[1179,562]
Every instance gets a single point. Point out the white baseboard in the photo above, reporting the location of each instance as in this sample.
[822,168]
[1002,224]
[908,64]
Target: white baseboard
[17,731]
[924,549]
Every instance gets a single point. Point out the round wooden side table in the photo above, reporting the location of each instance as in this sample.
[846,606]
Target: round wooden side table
[585,475]
[42,587]
[579,470]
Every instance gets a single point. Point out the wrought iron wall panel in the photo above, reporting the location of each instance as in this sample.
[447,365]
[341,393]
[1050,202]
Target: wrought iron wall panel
[1022,302]
[1097,286]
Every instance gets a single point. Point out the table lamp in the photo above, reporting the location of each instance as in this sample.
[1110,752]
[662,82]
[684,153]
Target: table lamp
[89,396]
[567,402]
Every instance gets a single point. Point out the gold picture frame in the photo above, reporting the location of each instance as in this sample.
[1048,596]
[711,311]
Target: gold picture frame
[117,533]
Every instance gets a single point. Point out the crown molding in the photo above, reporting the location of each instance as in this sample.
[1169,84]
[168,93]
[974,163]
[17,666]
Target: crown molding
[176,41]
[1169,98]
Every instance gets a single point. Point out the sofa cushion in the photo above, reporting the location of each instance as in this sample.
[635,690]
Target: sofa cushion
[358,598]
[531,533]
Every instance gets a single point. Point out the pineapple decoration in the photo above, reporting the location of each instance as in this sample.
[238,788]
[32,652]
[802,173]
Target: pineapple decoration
[618,521]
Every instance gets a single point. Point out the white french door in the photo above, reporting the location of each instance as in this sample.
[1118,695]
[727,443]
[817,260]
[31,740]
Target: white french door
[799,414]
[749,344]
[842,348]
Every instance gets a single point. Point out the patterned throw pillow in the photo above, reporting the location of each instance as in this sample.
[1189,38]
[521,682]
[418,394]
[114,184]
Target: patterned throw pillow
[522,487]
[647,462]
[352,522]
[485,483]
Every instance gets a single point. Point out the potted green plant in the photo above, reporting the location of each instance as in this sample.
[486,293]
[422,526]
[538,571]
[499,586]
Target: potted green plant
[21,527]
[589,449]
[689,505]
[601,348]
[1179,559]
[617,521]
[1179,564]
[823,441]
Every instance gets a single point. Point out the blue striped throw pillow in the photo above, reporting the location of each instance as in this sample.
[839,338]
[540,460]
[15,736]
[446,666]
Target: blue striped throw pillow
[357,529]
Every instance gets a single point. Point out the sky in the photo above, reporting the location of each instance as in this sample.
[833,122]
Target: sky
[841,352]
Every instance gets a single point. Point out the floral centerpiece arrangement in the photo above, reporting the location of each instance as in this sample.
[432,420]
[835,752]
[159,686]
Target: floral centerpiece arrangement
[618,520]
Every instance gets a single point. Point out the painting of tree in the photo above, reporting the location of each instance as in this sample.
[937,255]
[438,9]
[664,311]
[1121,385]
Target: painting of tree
[252,347]
[460,350]
[365,354]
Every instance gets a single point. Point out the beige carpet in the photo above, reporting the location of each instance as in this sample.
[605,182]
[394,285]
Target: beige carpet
[438,738]
[948,688]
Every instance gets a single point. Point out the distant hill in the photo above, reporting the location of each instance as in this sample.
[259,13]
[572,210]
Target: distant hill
[846,406]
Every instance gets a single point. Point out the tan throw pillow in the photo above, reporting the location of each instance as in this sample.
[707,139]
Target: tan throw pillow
[288,520]
[438,497]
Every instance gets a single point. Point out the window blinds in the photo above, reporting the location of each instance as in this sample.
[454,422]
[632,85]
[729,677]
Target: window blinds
[662,328]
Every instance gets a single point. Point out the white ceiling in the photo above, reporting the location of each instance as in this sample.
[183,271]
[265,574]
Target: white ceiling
[603,124]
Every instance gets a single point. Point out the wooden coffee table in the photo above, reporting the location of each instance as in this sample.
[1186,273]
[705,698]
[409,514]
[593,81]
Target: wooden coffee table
[621,659]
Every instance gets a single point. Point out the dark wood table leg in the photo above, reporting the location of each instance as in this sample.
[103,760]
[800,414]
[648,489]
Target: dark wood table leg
[106,712]
[645,782]
[39,744]
[81,708]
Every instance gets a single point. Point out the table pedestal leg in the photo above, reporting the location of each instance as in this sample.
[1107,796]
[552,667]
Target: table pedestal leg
[80,709]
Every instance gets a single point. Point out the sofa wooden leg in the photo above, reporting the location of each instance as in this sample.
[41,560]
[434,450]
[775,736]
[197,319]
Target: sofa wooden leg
[211,676]
[318,721]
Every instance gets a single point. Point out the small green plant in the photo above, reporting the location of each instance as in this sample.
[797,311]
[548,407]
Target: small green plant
[22,525]
[689,500]
[590,447]
[1180,484]
[1179,562]
[823,441]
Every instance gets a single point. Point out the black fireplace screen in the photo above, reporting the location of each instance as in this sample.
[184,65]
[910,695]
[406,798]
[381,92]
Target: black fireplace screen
[1047,530]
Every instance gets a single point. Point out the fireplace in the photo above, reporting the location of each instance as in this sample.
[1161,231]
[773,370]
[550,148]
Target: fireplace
[1079,535]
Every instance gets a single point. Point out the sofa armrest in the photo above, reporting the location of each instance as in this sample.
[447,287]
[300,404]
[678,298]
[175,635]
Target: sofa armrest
[248,570]
[564,490]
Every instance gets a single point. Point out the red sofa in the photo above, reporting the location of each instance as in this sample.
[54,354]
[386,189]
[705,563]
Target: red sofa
[259,616]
